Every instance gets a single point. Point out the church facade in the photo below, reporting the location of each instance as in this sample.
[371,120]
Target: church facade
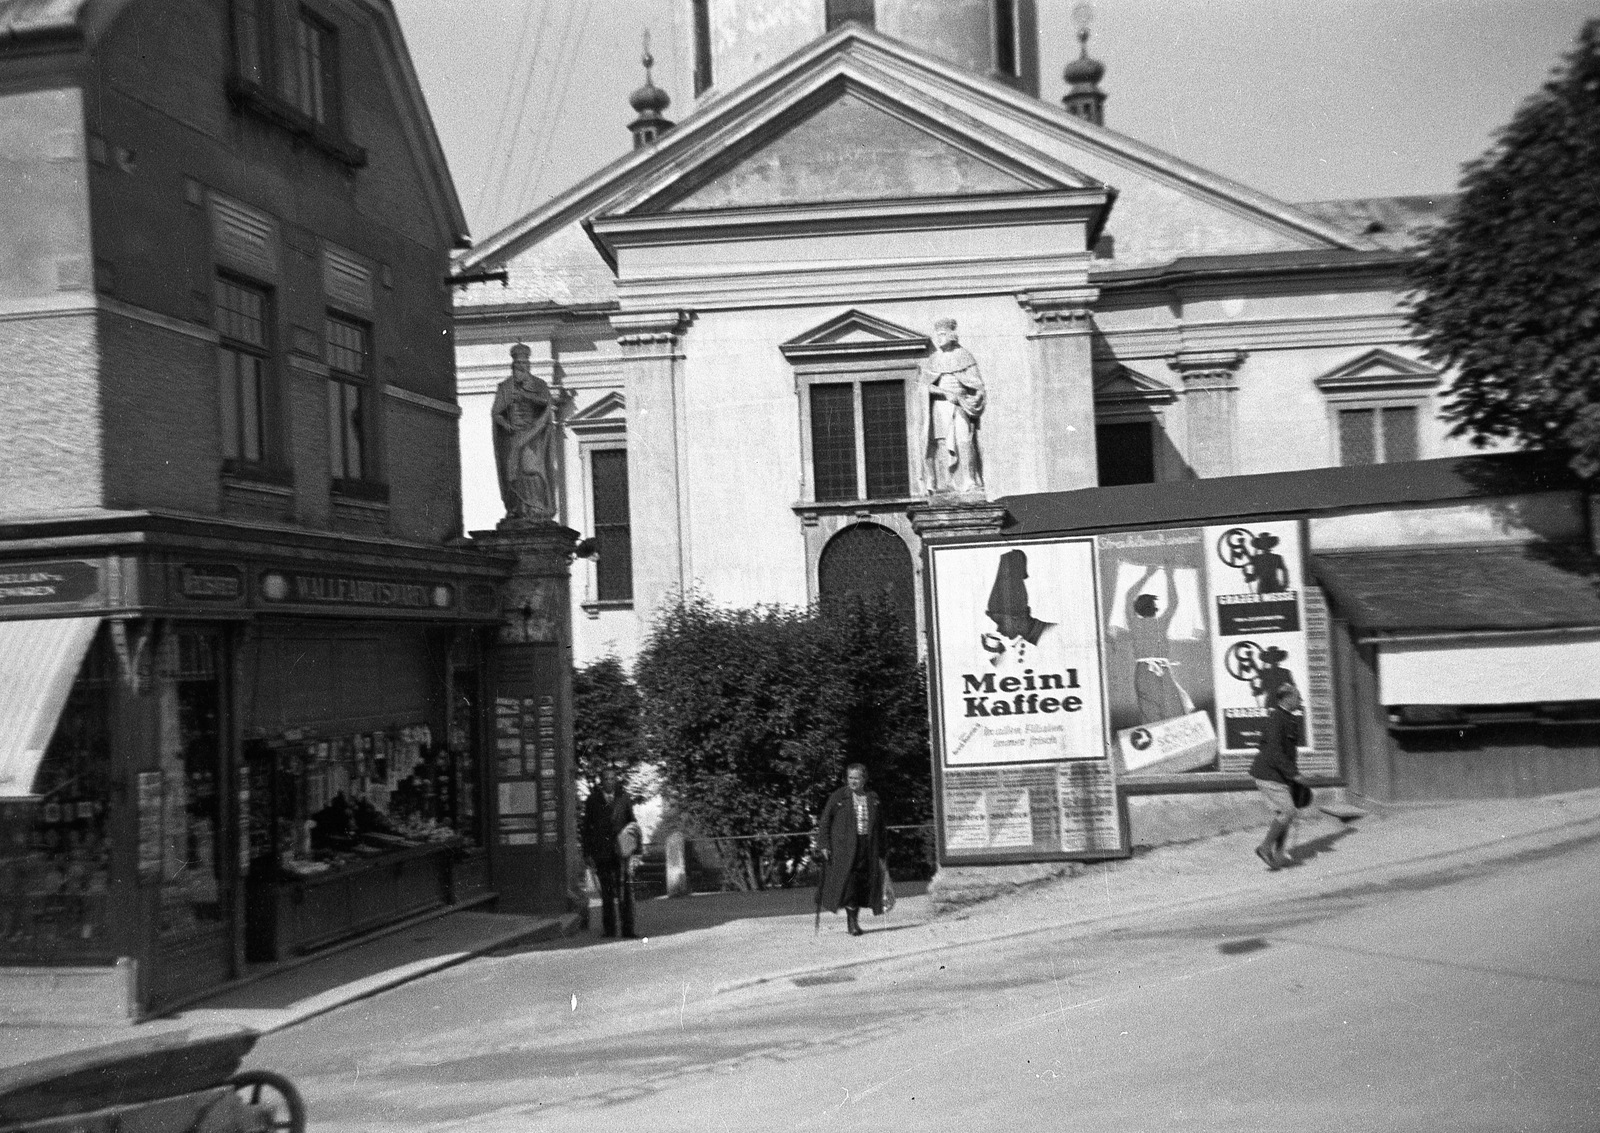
[744,308]
[1137,319]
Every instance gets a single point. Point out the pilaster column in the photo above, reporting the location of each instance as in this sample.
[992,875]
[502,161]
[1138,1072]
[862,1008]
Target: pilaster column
[1056,448]
[652,358]
[1210,388]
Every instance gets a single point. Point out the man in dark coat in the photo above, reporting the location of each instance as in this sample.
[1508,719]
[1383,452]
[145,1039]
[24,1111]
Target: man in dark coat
[607,812]
[850,842]
[1276,771]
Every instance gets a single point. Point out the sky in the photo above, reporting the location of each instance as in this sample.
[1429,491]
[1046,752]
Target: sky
[1301,99]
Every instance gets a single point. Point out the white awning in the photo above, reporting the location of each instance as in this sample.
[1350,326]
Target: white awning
[1522,670]
[39,660]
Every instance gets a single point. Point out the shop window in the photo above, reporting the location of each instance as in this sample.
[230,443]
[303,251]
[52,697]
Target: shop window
[1381,434]
[1126,452]
[836,12]
[700,17]
[858,440]
[191,859]
[55,847]
[244,363]
[608,483]
[349,358]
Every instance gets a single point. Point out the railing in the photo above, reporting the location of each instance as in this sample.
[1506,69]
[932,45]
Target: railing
[747,862]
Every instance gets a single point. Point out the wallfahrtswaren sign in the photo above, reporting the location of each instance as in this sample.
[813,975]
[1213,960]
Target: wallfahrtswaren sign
[48,583]
[307,589]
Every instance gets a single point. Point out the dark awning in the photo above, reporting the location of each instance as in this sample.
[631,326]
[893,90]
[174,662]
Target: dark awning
[1463,589]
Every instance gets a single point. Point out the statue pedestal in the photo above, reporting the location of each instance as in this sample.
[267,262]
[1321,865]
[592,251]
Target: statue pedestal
[534,857]
[944,516]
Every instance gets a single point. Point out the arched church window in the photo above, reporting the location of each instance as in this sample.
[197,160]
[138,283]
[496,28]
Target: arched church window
[870,560]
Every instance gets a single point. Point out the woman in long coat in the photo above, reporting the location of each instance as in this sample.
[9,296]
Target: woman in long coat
[850,841]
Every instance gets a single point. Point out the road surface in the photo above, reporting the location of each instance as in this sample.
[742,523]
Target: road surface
[1467,999]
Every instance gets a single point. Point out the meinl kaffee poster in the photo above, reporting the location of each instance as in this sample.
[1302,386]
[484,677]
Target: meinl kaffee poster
[1021,709]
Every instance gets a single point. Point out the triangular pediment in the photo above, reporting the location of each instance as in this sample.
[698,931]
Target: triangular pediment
[1378,370]
[856,334]
[1122,385]
[857,118]
[605,414]
[848,143]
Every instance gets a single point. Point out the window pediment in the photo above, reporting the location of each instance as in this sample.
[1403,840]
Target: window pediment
[607,414]
[1377,373]
[1122,387]
[855,336]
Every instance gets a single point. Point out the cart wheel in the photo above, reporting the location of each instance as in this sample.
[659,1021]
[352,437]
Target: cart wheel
[285,1109]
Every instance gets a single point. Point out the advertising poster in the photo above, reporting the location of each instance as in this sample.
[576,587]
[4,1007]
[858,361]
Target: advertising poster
[1162,700]
[1020,708]
[1255,573]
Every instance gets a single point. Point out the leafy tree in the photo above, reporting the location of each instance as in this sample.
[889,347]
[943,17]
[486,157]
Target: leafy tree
[1510,284]
[751,716]
[605,723]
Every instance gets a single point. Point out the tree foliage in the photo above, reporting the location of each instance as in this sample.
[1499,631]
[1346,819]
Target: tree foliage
[1509,286]
[605,723]
[752,715]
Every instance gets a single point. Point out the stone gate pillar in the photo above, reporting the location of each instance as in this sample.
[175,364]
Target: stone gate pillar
[535,860]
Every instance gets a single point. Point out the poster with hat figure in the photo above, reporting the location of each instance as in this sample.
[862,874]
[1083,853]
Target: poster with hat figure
[1255,574]
[1023,768]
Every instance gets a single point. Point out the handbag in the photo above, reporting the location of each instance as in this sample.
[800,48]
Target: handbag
[888,889]
[629,840]
[1299,795]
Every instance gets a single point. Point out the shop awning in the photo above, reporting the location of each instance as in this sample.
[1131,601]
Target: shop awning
[1474,625]
[1488,670]
[39,660]
[1455,590]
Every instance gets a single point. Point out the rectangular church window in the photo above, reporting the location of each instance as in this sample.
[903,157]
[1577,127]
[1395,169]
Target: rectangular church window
[1125,452]
[858,441]
[1378,435]
[613,533]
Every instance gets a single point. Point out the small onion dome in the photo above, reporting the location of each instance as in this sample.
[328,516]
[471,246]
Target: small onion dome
[1084,70]
[649,97]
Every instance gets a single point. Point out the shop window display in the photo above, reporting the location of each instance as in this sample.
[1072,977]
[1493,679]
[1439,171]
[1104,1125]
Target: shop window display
[190,707]
[317,804]
[55,857]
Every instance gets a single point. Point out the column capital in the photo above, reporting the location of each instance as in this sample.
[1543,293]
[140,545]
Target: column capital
[1064,310]
[1208,369]
[650,328]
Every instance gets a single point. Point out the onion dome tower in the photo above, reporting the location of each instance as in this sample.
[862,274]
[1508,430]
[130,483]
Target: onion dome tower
[1084,97]
[648,101]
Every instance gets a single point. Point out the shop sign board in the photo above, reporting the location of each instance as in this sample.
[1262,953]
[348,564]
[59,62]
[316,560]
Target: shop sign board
[1148,655]
[1023,772]
[210,582]
[61,582]
[305,588]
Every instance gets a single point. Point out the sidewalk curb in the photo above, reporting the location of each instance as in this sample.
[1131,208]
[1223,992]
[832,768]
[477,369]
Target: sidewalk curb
[564,925]
[1506,846]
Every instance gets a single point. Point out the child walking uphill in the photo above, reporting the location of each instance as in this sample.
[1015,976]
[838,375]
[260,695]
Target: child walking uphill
[1277,774]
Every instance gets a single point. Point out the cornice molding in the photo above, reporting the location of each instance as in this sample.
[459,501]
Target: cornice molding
[650,328]
[1208,370]
[422,401]
[1063,310]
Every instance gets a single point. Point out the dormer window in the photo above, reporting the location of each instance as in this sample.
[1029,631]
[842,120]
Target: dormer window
[286,70]
[316,69]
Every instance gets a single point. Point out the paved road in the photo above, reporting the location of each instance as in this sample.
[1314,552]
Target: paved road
[1462,1000]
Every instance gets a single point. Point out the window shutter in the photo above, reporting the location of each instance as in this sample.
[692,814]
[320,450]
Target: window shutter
[346,280]
[243,238]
